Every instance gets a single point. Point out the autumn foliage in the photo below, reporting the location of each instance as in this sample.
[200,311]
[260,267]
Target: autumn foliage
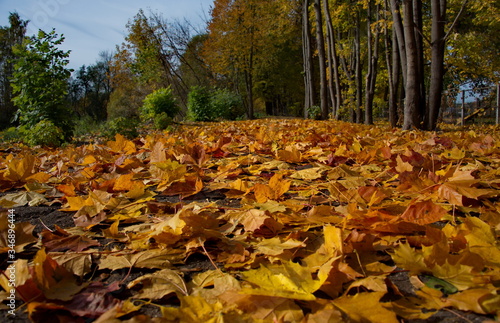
[298,220]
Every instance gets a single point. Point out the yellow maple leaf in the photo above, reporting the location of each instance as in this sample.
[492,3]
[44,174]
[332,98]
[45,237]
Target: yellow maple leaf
[366,307]
[159,284]
[195,309]
[122,145]
[144,259]
[289,280]
[54,280]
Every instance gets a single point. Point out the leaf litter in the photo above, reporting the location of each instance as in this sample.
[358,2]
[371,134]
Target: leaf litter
[265,220]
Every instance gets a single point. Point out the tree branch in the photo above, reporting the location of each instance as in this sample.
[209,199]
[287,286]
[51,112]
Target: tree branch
[456,19]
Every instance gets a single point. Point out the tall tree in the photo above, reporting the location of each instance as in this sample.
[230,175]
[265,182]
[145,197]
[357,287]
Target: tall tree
[334,82]
[372,68]
[10,36]
[40,81]
[244,36]
[307,59]
[90,88]
[393,64]
[320,40]
[412,86]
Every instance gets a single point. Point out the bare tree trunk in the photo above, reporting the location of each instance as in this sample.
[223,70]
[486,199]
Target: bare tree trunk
[307,60]
[322,60]
[371,76]
[412,88]
[438,9]
[359,69]
[249,86]
[393,70]
[329,44]
[399,31]
[419,40]
[334,61]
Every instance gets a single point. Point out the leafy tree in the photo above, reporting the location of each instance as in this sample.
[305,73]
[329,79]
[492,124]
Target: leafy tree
[10,36]
[244,38]
[199,104]
[40,81]
[128,93]
[90,88]
[158,102]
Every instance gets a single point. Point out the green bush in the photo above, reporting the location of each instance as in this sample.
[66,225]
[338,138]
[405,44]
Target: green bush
[86,125]
[44,133]
[162,121]
[10,134]
[314,112]
[127,127]
[227,105]
[199,104]
[206,105]
[158,102]
[122,104]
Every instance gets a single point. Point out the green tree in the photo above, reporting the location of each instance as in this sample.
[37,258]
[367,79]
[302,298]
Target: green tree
[9,37]
[40,81]
[246,37]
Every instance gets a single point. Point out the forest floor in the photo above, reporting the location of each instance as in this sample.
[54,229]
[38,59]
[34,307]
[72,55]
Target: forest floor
[267,220]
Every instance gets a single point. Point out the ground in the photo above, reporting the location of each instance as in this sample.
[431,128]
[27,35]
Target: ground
[191,196]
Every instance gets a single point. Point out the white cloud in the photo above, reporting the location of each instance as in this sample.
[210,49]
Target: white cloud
[93,26]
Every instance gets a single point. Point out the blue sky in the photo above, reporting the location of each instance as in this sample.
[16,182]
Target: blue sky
[92,26]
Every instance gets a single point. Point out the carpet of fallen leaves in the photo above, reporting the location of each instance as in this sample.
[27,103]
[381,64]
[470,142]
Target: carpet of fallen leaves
[298,221]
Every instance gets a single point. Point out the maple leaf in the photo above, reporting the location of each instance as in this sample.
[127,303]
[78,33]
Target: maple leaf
[55,281]
[76,263]
[21,199]
[275,247]
[289,280]
[290,154]
[60,240]
[19,169]
[122,145]
[195,309]
[259,221]
[159,284]
[23,234]
[424,212]
[142,259]
[366,307]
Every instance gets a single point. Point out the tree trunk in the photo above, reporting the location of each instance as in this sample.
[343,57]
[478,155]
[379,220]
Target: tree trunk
[322,60]
[438,9]
[307,60]
[359,69]
[335,61]
[393,71]
[419,40]
[398,29]
[371,75]
[332,61]
[412,88]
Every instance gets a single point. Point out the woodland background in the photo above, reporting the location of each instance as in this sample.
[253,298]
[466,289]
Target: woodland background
[370,58]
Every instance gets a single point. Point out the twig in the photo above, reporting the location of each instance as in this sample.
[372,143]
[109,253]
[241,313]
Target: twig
[46,227]
[209,258]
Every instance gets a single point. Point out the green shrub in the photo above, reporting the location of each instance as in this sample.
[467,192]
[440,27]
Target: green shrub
[206,105]
[10,134]
[86,125]
[158,102]
[227,105]
[314,112]
[162,121]
[127,127]
[199,104]
[44,133]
